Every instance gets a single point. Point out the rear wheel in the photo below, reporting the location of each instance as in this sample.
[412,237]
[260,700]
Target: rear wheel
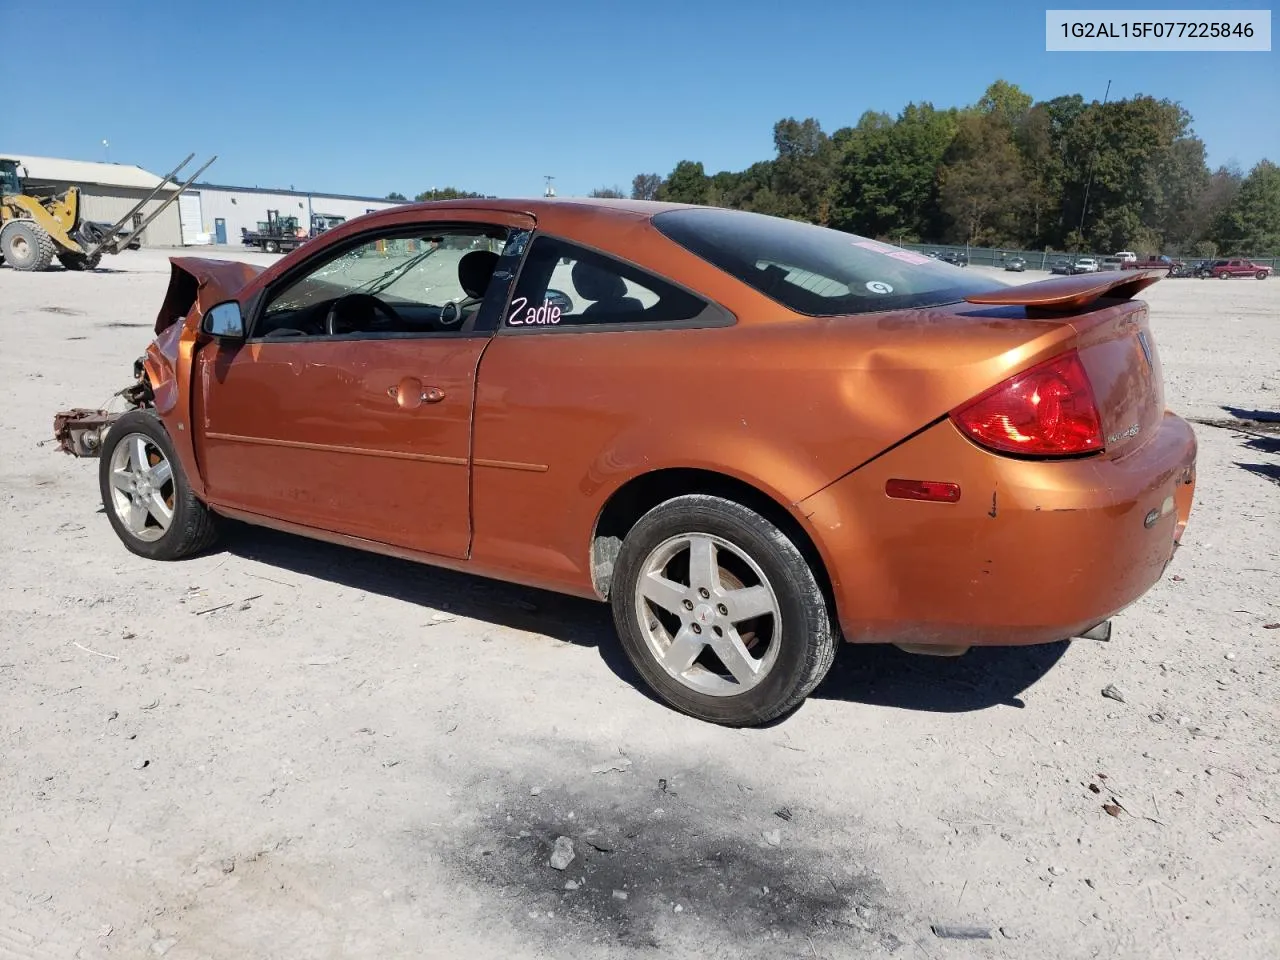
[1224,275]
[145,492]
[27,245]
[719,611]
[77,261]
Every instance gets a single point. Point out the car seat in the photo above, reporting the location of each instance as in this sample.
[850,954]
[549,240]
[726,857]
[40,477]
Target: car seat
[608,290]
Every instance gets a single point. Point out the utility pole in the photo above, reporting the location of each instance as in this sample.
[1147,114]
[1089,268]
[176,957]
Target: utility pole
[106,151]
[550,191]
[1084,208]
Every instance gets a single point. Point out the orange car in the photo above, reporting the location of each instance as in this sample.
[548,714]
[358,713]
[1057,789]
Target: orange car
[751,436]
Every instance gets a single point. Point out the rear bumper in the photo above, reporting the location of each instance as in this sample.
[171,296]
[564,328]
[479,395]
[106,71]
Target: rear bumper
[1033,552]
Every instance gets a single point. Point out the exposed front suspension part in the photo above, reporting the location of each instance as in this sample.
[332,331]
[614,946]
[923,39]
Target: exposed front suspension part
[80,431]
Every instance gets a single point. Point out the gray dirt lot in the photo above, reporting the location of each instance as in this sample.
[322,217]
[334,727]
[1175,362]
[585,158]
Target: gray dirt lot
[359,757]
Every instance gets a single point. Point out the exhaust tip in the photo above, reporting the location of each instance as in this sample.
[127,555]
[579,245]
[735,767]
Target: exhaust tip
[1101,631]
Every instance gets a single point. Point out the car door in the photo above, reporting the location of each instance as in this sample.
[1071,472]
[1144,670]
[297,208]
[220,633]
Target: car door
[348,406]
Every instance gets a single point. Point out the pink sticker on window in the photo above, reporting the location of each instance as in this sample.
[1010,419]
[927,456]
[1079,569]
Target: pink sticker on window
[906,256]
[873,245]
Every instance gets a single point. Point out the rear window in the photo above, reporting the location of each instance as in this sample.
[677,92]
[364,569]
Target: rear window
[815,270]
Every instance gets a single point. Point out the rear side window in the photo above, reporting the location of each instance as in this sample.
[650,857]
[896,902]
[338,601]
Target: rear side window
[816,270]
[564,285]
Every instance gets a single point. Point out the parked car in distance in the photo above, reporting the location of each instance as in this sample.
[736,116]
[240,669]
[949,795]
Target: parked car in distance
[1085,265]
[955,258]
[1126,256]
[1110,263]
[939,460]
[1061,265]
[1154,262]
[1238,267]
[1016,264]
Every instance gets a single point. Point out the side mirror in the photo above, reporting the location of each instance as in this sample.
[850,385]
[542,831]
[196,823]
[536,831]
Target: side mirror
[223,321]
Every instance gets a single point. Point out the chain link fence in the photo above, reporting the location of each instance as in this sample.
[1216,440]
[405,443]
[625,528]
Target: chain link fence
[1044,259]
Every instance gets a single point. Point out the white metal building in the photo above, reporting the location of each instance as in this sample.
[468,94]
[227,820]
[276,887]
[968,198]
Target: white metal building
[212,213]
[108,191]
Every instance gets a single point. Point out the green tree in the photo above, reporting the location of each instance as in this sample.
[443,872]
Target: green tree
[1006,102]
[981,182]
[688,183]
[398,197]
[446,193]
[801,178]
[1124,152]
[887,174]
[607,193]
[1251,224]
[645,186]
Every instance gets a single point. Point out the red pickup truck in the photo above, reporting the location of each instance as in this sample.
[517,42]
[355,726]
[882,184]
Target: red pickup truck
[1239,267]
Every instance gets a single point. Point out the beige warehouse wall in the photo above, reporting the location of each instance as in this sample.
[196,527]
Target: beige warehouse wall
[109,204]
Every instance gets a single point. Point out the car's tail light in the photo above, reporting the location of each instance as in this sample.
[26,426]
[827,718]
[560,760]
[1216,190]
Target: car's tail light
[1046,411]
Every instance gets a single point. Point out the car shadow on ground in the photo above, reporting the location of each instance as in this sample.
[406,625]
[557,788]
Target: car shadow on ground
[1262,427]
[880,676]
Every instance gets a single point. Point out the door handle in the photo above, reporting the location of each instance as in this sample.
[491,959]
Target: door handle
[410,393]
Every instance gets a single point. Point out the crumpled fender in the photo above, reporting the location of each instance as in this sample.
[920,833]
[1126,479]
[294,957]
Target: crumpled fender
[195,281]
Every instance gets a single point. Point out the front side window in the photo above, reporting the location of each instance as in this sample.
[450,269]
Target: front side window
[564,285]
[406,282]
[815,270]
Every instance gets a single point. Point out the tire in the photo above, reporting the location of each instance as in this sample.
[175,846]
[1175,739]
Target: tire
[789,648]
[27,245]
[76,261]
[271,246]
[1261,274]
[1224,275]
[191,526]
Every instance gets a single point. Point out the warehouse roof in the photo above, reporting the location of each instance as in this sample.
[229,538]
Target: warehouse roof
[56,170]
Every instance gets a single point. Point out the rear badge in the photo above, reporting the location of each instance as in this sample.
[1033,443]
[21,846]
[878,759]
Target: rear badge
[1124,434]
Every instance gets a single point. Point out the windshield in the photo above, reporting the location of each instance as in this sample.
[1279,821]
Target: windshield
[816,270]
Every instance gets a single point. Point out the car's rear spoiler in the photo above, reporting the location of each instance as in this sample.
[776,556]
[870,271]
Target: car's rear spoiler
[1070,294]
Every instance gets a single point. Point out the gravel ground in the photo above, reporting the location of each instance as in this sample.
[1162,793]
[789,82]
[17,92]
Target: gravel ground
[353,756]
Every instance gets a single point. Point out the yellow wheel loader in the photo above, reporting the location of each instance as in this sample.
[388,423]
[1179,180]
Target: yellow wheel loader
[34,229]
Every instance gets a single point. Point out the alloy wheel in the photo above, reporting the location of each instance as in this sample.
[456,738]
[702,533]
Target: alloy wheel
[142,491]
[708,614]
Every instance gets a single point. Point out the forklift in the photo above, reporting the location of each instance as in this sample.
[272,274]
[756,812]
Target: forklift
[36,227]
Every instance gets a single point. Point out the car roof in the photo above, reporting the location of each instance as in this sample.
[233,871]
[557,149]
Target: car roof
[540,206]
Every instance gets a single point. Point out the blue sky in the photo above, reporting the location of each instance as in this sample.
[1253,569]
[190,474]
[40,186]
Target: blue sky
[395,95]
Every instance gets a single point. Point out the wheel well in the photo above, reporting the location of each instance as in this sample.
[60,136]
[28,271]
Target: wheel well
[638,496]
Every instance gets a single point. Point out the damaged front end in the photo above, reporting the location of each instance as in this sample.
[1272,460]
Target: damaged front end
[194,285]
[81,430]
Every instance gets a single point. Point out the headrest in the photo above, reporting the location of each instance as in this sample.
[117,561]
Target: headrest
[596,284]
[475,270]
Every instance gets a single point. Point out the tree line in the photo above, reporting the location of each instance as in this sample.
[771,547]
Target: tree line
[1061,174]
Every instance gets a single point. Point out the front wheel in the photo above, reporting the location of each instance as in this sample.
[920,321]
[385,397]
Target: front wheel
[1261,274]
[27,245]
[146,494]
[1224,275]
[720,612]
[271,247]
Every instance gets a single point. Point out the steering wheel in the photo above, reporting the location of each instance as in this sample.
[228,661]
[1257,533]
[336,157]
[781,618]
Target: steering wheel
[370,303]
